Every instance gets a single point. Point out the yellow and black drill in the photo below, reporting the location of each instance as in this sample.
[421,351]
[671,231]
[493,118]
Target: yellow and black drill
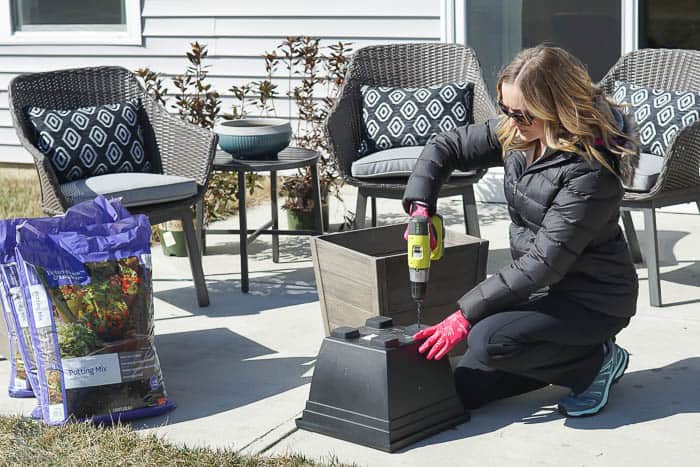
[420,254]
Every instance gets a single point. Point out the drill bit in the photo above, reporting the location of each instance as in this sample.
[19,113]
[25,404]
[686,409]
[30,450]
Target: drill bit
[419,312]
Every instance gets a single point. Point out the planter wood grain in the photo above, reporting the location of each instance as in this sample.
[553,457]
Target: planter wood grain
[364,273]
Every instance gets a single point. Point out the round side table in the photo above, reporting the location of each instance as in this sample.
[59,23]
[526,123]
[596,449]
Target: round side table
[289,158]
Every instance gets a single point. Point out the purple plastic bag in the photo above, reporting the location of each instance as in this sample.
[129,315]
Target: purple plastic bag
[89,296]
[18,385]
[23,376]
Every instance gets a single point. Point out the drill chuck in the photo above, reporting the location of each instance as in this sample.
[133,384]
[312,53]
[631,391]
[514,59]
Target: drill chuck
[419,283]
[418,290]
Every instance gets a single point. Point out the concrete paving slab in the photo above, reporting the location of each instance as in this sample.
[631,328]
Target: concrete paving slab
[240,369]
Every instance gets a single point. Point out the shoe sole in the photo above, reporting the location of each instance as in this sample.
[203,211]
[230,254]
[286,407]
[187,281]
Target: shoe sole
[619,372]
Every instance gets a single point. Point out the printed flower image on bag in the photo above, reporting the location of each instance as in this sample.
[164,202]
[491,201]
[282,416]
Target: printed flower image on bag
[104,311]
[91,315]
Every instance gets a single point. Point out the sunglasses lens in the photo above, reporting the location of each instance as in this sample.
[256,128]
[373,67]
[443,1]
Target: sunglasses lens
[518,117]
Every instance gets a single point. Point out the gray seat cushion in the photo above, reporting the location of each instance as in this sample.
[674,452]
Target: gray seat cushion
[135,189]
[647,172]
[394,162]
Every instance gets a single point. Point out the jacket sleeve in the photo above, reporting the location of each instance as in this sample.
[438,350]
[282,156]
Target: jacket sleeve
[589,198]
[465,148]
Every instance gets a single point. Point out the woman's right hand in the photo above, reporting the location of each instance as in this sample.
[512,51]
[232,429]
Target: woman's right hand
[420,209]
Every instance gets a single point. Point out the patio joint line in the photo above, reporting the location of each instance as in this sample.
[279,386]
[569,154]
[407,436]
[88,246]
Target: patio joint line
[285,435]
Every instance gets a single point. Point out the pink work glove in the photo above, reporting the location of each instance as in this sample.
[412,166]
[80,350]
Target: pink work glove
[418,209]
[442,337]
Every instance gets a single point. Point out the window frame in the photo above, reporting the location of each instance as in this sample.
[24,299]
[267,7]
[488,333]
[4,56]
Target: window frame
[630,26]
[132,35]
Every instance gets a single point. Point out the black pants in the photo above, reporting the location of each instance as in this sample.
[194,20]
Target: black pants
[550,340]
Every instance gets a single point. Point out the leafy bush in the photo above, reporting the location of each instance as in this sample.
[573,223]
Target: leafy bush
[302,56]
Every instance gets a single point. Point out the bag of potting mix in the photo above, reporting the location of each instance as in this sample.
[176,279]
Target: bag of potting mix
[18,385]
[23,368]
[89,300]
[22,375]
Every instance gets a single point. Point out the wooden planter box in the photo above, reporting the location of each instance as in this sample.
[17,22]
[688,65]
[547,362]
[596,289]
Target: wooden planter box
[364,273]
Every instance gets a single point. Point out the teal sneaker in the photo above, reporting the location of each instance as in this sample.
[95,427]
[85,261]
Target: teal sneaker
[595,397]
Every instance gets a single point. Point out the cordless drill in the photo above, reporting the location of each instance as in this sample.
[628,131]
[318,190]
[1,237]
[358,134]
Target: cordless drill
[420,255]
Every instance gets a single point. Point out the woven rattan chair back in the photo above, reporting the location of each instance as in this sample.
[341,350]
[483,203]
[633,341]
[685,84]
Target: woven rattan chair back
[679,179]
[173,146]
[404,65]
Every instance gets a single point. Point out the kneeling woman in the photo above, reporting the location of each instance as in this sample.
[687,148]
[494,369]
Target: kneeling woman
[550,316]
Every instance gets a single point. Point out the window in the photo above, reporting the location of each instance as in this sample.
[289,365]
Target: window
[669,24]
[51,15]
[499,29]
[71,22]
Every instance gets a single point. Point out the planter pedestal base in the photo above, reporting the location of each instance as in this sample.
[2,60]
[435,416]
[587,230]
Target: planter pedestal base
[372,387]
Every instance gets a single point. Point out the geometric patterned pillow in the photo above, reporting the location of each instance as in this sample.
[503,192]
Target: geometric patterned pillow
[660,115]
[397,117]
[89,141]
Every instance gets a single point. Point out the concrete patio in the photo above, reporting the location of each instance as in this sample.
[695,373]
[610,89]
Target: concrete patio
[240,369]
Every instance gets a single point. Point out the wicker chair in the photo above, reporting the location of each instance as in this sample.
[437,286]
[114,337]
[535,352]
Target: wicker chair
[403,65]
[173,146]
[678,181]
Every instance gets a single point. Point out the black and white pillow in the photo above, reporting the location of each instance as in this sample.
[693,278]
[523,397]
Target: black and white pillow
[396,117]
[660,114]
[89,141]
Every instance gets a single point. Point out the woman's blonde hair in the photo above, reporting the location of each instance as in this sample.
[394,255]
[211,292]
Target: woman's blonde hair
[557,89]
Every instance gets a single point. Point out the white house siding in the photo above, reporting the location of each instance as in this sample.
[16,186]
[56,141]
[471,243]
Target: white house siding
[236,33]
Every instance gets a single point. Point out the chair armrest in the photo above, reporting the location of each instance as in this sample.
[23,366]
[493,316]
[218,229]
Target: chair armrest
[182,148]
[343,130]
[681,165]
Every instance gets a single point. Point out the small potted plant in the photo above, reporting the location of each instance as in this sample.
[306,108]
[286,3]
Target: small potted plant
[301,57]
[197,102]
[318,71]
[297,191]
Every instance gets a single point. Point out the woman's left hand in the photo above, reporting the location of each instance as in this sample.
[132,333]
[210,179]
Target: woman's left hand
[442,337]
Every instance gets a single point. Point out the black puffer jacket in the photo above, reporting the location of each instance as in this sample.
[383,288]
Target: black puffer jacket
[564,233]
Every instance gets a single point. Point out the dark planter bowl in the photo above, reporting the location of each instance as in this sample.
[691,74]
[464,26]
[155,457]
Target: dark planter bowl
[254,138]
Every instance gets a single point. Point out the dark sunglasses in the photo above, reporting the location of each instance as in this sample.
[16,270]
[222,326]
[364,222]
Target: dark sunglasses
[521,118]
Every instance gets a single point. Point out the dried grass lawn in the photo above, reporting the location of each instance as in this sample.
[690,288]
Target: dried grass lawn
[28,442]
[20,193]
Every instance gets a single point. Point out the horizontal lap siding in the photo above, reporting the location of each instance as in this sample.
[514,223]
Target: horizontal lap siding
[236,34]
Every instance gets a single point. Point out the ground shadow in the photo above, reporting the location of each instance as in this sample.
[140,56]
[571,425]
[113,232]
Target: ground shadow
[641,396]
[666,240]
[293,248]
[278,289]
[686,275]
[215,370]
